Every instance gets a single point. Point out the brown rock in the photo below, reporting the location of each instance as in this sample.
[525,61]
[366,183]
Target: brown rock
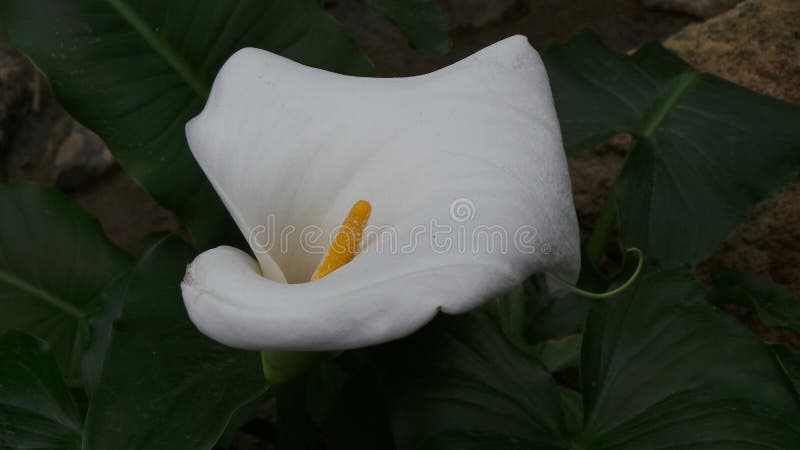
[756,45]
[39,141]
[699,8]
[30,126]
[18,87]
[126,211]
[81,158]
[767,243]
[32,139]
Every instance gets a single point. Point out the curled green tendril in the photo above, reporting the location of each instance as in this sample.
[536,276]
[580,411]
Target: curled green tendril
[616,291]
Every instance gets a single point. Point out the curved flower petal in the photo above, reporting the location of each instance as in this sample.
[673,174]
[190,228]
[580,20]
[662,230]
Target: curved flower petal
[464,169]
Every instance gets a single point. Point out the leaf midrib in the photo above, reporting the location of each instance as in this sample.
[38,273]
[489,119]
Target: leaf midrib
[194,80]
[667,104]
[54,301]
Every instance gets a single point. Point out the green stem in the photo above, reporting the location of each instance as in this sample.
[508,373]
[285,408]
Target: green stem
[596,245]
[664,107]
[616,291]
[279,367]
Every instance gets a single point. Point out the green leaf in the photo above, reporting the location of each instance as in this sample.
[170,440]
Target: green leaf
[662,369]
[423,21]
[789,360]
[135,71]
[529,314]
[338,404]
[36,409]
[704,148]
[772,302]
[560,354]
[516,313]
[463,385]
[54,262]
[247,413]
[101,329]
[325,383]
[556,317]
[573,409]
[358,418]
[296,429]
[163,382]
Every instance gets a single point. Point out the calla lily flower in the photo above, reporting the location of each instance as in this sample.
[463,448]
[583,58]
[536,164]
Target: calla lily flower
[451,162]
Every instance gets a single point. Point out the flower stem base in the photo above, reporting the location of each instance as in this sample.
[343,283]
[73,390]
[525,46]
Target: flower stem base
[279,367]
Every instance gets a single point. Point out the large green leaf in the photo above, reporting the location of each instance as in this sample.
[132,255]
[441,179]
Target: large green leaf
[705,149]
[772,302]
[422,21]
[463,385]
[163,384]
[662,369]
[135,71]
[54,262]
[36,409]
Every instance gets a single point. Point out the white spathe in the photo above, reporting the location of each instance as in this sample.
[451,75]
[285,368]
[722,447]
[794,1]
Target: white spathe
[475,147]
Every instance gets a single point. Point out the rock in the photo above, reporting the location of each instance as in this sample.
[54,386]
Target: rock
[126,211]
[756,45]
[32,139]
[43,144]
[699,8]
[20,97]
[39,141]
[767,243]
[81,158]
[18,88]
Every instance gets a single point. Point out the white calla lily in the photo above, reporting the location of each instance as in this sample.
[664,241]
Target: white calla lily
[463,155]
